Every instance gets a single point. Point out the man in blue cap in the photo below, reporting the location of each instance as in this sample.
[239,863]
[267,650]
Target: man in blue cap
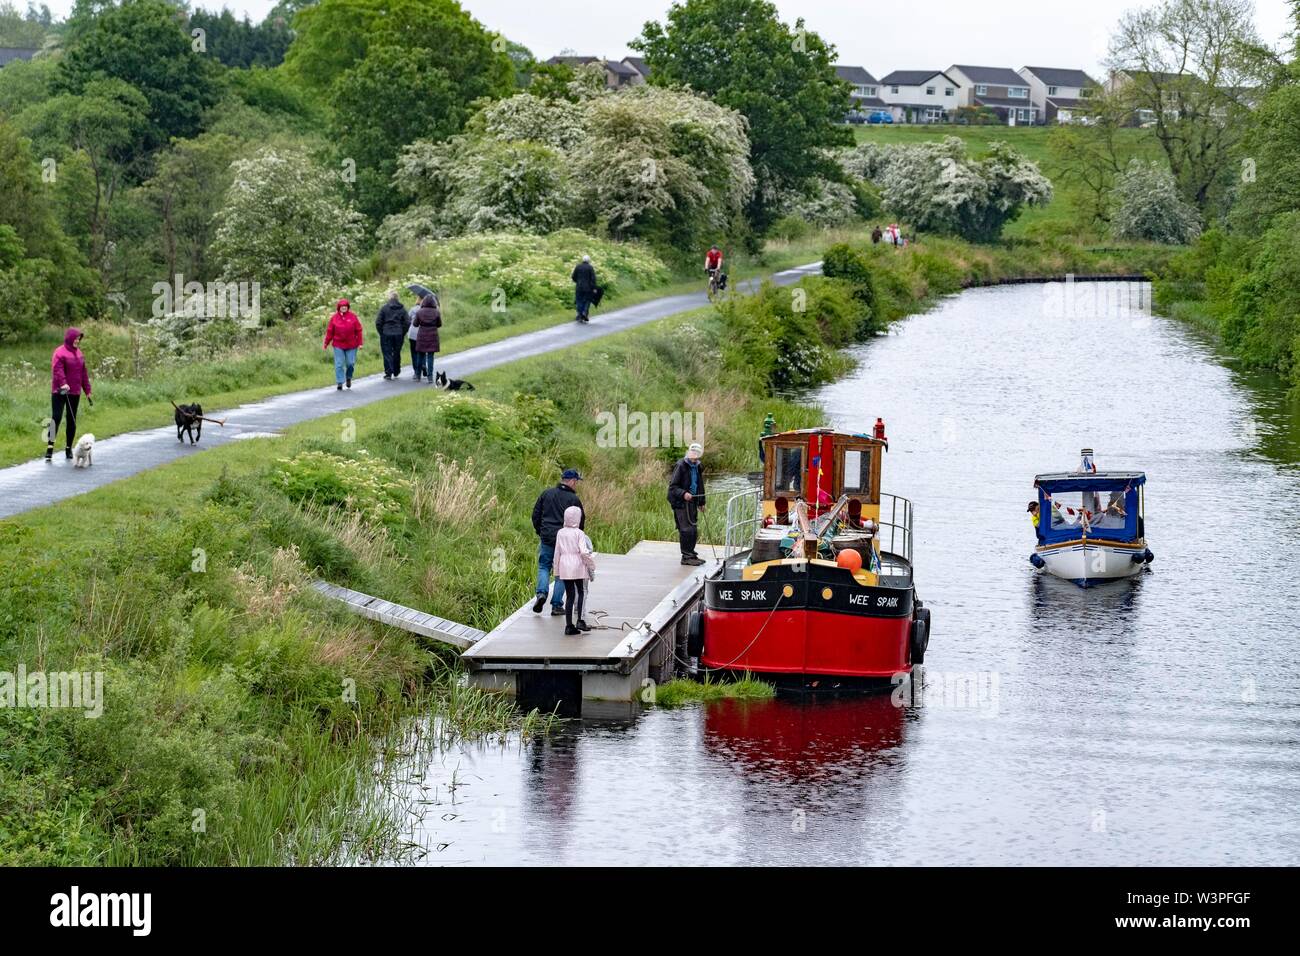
[548,518]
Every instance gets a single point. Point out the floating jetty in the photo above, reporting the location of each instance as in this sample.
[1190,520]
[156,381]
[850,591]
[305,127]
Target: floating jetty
[638,608]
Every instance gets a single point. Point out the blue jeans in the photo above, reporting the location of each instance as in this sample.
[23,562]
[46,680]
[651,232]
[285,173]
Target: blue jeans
[545,556]
[345,360]
[415,358]
[424,363]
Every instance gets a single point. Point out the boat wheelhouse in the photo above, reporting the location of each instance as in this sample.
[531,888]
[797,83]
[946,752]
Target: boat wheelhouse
[816,581]
[1092,525]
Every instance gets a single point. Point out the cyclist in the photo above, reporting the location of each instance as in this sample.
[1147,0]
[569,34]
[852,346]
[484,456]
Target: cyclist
[713,266]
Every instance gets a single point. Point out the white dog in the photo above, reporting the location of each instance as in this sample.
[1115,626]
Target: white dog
[81,453]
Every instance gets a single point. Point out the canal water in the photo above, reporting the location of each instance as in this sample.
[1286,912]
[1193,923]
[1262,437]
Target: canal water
[1150,721]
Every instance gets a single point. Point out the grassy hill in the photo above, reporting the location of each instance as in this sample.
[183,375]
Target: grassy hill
[1061,217]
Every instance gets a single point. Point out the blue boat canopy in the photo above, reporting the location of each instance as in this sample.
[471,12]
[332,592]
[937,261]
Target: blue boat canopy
[1095,481]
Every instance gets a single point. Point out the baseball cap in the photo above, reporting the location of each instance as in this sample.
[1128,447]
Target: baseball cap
[571,473]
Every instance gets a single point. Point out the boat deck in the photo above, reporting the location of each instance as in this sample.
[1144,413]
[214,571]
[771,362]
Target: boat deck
[895,572]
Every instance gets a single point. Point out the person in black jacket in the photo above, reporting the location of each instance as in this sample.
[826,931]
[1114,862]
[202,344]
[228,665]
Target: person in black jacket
[391,324]
[584,282]
[686,495]
[548,518]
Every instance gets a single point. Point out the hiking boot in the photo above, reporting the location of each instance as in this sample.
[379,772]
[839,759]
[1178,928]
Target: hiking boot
[557,611]
[339,387]
[49,451]
[570,630]
[349,383]
[416,376]
[387,377]
[582,625]
[539,604]
[688,559]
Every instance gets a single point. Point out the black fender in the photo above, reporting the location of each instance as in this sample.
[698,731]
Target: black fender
[695,634]
[920,639]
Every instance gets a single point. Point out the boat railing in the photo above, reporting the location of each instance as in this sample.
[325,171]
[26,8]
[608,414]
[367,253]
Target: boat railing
[744,518]
[895,533]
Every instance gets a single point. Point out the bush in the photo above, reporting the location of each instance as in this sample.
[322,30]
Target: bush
[1146,206]
[843,261]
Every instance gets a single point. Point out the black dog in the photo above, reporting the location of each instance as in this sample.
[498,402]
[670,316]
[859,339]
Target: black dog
[452,385]
[189,420]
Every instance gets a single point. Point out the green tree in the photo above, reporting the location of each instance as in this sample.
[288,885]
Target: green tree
[781,78]
[383,103]
[143,44]
[334,35]
[284,226]
[17,30]
[185,193]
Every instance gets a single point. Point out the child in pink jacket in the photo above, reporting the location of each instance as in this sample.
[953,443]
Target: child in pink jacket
[573,563]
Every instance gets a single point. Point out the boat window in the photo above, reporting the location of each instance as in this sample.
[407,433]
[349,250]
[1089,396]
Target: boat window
[1107,509]
[857,470]
[789,469]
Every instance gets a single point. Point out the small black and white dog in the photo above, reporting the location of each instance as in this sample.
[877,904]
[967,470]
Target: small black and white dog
[453,384]
[189,421]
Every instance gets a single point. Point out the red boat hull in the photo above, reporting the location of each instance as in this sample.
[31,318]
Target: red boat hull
[807,642]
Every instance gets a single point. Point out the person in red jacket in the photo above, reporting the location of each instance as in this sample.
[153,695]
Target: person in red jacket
[344,333]
[69,380]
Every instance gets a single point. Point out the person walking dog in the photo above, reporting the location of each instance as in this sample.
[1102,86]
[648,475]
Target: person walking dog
[391,324]
[428,319]
[69,380]
[686,495]
[548,519]
[584,287]
[344,333]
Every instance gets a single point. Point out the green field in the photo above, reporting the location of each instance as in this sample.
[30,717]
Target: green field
[1061,218]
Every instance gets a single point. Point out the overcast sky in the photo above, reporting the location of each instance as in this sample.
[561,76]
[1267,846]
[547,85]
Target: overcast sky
[881,36]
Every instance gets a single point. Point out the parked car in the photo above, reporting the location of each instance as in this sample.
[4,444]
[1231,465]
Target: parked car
[880,116]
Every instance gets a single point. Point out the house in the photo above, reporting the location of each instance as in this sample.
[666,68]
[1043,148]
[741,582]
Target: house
[920,96]
[618,74]
[866,90]
[1058,94]
[8,54]
[998,88]
[638,64]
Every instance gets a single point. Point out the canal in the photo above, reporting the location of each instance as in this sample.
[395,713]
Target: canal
[1151,721]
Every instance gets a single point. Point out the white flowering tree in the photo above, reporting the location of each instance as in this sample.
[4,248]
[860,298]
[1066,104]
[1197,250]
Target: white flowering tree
[284,226]
[1146,205]
[938,188]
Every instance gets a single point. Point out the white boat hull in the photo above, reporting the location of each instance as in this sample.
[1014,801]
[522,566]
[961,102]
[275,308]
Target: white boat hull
[1087,563]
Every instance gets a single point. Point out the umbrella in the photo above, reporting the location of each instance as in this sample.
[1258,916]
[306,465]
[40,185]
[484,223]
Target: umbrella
[420,290]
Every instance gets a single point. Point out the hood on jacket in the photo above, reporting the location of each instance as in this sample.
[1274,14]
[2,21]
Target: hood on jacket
[428,302]
[572,516]
[70,337]
[342,304]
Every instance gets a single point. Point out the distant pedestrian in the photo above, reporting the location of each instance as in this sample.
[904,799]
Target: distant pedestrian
[584,282]
[344,333]
[548,519]
[391,324]
[428,319]
[412,336]
[686,495]
[876,236]
[574,562]
[69,380]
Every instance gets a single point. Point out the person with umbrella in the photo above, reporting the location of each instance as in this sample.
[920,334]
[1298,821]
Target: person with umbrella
[584,282]
[413,330]
[428,319]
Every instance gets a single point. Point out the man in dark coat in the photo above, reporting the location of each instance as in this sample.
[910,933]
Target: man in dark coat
[686,495]
[428,319]
[584,282]
[391,324]
[548,518]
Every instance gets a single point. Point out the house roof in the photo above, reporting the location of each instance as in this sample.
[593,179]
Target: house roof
[855,74]
[914,77]
[622,69]
[614,66]
[1064,102]
[869,102]
[996,75]
[1051,76]
[572,60]
[637,63]
[8,54]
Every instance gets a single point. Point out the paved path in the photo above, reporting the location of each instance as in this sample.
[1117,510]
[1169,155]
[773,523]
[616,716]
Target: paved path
[36,483]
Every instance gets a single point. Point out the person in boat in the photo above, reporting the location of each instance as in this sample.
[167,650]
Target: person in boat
[686,496]
[1035,519]
[548,519]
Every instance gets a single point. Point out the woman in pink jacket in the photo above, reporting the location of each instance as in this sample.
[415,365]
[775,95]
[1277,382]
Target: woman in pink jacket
[574,563]
[344,333]
[69,380]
